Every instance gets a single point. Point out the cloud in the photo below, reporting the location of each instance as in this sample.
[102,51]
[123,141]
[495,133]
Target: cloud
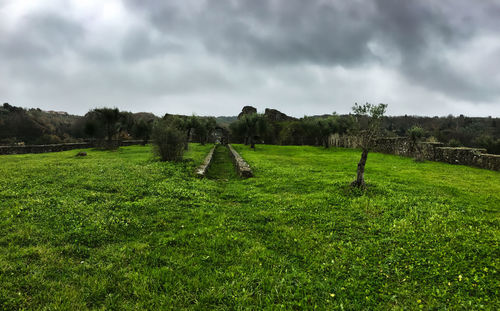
[213,56]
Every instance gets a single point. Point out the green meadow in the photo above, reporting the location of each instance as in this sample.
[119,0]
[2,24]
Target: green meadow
[120,230]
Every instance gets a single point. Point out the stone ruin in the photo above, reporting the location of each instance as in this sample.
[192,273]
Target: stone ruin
[247,110]
[272,115]
[426,150]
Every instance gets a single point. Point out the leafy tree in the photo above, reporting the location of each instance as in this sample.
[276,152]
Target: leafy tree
[368,123]
[142,130]
[91,128]
[188,124]
[327,127]
[110,119]
[168,140]
[416,134]
[252,127]
[204,128]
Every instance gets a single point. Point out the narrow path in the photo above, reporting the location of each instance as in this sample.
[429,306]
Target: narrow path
[222,167]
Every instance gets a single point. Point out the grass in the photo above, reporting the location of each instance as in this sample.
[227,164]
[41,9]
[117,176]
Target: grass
[118,230]
[222,167]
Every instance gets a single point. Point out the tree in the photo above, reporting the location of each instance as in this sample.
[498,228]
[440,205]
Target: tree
[106,123]
[368,119]
[327,127]
[204,128]
[142,130]
[251,127]
[109,118]
[168,140]
[187,125]
[416,134]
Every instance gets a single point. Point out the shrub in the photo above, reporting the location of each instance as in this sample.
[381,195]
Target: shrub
[168,141]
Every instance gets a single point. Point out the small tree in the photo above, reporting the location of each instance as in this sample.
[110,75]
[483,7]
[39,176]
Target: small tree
[142,130]
[110,119]
[416,134]
[204,128]
[369,118]
[189,124]
[327,127]
[251,127]
[168,141]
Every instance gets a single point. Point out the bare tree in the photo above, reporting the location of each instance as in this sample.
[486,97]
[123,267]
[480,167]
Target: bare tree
[368,123]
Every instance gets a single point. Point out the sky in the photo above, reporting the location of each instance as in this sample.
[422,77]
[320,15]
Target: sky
[212,57]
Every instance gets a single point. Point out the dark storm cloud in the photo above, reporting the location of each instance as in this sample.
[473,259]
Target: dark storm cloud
[425,57]
[40,35]
[139,44]
[329,33]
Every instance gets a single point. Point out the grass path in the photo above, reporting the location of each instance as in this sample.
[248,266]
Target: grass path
[222,167]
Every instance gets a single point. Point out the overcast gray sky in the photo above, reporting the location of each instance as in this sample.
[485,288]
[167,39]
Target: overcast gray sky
[212,57]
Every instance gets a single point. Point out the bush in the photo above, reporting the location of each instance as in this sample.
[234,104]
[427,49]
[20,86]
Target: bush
[168,141]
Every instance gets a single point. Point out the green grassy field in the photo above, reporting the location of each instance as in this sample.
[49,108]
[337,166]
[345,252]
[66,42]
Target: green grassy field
[119,230]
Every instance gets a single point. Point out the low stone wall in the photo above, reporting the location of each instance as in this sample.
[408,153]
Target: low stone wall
[201,171]
[242,167]
[429,151]
[56,147]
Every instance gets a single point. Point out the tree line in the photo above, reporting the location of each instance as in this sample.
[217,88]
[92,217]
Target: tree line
[35,126]
[104,126]
[452,131]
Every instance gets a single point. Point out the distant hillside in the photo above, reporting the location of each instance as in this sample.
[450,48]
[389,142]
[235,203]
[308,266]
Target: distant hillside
[225,121]
[35,126]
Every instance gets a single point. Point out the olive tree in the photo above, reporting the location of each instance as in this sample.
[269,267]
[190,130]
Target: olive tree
[416,134]
[251,127]
[368,121]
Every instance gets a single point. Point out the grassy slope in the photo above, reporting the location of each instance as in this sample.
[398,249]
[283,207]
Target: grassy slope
[116,229]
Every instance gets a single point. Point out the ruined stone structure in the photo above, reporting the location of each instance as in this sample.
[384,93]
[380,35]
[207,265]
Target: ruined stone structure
[429,151]
[274,115]
[57,147]
[202,170]
[247,110]
[241,166]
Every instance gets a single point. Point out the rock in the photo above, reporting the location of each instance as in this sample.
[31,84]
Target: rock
[247,110]
[274,115]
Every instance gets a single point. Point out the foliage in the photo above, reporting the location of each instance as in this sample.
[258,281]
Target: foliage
[416,135]
[34,126]
[116,230]
[252,127]
[142,129]
[369,118]
[168,140]
[204,128]
[104,122]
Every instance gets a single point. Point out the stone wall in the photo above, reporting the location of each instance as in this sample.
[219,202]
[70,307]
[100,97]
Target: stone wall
[429,151]
[57,147]
[241,166]
[202,170]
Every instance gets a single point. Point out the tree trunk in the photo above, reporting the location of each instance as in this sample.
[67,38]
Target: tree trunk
[360,178]
[186,146]
[252,143]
